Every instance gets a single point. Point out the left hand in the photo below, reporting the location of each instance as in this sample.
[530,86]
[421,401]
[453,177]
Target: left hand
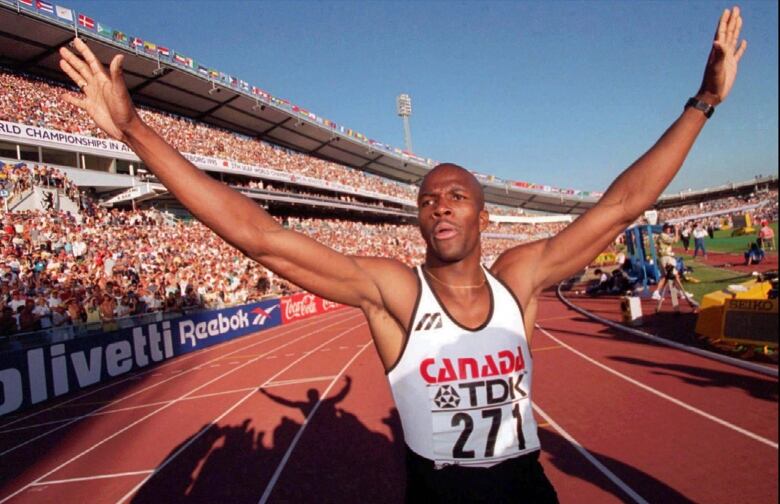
[721,69]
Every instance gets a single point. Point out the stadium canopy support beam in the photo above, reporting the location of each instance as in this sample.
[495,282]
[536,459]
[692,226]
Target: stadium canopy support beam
[213,109]
[370,161]
[264,133]
[323,144]
[148,80]
[45,54]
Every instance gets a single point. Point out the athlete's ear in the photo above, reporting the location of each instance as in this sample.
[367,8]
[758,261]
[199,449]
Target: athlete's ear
[484,220]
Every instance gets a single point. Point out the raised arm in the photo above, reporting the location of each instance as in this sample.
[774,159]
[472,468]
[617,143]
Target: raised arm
[639,186]
[233,216]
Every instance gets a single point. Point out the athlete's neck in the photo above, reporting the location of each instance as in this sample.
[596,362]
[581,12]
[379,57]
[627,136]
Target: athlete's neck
[457,274]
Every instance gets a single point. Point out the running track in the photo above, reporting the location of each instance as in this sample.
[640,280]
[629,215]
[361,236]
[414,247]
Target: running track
[272,418]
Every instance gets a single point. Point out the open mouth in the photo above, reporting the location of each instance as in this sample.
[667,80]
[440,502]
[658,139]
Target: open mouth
[444,231]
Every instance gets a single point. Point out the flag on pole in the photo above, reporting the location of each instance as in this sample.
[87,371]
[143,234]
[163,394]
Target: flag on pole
[44,7]
[86,22]
[104,30]
[164,51]
[150,47]
[27,3]
[64,13]
[120,37]
[136,42]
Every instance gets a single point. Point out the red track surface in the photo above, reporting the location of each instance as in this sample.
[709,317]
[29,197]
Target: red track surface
[660,424]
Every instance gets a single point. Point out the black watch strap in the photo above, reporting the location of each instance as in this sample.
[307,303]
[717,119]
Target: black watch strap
[705,107]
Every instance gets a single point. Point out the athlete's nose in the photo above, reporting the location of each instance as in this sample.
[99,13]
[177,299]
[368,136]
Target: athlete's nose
[442,208]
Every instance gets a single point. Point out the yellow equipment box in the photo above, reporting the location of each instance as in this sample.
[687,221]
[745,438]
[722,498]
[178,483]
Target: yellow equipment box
[740,314]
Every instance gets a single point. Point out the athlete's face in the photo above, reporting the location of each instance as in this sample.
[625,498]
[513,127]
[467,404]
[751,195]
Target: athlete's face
[451,213]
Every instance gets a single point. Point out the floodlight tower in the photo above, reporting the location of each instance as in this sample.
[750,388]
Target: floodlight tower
[403,106]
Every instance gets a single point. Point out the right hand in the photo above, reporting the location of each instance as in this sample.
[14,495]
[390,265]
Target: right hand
[106,98]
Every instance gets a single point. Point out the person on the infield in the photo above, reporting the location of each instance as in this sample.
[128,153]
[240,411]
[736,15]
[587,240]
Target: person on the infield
[452,334]
[668,263]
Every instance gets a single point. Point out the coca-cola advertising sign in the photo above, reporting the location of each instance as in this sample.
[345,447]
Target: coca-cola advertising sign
[304,305]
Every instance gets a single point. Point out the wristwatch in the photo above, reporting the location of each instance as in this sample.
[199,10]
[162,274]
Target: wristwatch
[705,107]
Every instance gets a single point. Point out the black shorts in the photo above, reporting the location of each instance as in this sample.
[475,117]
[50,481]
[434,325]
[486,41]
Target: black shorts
[517,480]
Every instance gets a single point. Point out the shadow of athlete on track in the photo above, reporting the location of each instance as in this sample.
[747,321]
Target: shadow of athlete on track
[313,396]
[567,460]
[337,459]
[764,389]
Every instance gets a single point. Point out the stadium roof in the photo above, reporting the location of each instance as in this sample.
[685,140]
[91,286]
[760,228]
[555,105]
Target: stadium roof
[30,40]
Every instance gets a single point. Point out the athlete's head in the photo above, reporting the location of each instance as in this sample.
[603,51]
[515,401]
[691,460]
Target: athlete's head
[451,212]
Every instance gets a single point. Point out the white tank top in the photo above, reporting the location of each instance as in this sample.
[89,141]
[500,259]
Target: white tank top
[464,396]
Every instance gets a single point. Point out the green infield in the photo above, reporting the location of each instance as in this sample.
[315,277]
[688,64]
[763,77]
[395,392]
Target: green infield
[724,242]
[711,279]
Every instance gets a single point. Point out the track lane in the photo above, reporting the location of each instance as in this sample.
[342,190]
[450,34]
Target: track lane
[100,432]
[664,452]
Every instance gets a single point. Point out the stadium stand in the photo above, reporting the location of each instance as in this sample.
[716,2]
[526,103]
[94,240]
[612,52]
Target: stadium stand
[61,270]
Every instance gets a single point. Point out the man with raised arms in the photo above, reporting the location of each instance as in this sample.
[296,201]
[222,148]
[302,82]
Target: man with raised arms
[452,335]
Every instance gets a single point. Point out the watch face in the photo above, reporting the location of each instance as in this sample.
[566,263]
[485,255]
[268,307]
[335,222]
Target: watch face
[706,108]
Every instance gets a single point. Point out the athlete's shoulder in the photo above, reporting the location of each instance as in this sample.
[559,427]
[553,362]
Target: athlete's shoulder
[396,281]
[516,268]
[518,261]
[387,268]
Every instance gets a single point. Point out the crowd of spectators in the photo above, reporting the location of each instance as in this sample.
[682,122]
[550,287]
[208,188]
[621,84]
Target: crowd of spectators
[56,270]
[30,100]
[526,232]
[297,191]
[767,211]
[116,263]
[17,178]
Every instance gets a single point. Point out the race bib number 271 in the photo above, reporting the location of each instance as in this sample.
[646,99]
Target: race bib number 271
[478,422]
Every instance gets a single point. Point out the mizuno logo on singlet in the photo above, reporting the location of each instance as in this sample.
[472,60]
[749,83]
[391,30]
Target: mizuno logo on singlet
[429,321]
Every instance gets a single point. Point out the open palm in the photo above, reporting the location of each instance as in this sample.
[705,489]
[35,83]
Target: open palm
[721,70]
[105,99]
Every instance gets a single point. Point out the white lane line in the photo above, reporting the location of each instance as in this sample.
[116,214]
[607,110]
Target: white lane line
[299,380]
[589,456]
[733,361]
[279,468]
[281,383]
[272,333]
[662,395]
[120,431]
[224,414]
[91,478]
[128,396]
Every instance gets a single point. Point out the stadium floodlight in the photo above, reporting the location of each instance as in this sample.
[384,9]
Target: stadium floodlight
[403,105]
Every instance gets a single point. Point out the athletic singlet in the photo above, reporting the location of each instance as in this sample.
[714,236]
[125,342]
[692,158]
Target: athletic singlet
[464,396]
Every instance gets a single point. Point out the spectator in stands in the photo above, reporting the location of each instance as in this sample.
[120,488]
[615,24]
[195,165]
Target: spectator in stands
[7,321]
[699,234]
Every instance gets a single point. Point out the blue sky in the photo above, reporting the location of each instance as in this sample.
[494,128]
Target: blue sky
[560,93]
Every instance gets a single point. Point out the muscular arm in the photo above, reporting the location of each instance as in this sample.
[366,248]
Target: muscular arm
[233,216]
[547,262]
